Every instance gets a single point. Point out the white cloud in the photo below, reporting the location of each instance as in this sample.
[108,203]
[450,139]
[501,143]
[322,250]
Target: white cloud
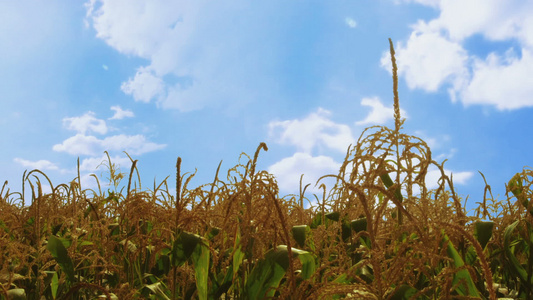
[434,174]
[428,60]
[120,113]
[144,87]
[93,164]
[288,171]
[496,20]
[87,122]
[198,53]
[316,130]
[40,164]
[434,54]
[433,3]
[506,83]
[350,22]
[379,114]
[89,145]
[105,67]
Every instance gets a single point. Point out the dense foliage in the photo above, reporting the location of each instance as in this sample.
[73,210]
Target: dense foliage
[379,233]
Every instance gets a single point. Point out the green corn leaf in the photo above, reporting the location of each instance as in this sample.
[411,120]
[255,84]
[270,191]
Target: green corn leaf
[299,232]
[515,185]
[60,254]
[268,272]
[346,231]
[317,221]
[193,246]
[212,233]
[515,264]
[461,275]
[200,260]
[266,275]
[238,256]
[306,258]
[359,225]
[54,285]
[517,188]
[387,181]
[334,216]
[183,248]
[483,232]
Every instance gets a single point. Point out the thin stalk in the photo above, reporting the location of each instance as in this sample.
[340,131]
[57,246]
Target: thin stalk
[397,120]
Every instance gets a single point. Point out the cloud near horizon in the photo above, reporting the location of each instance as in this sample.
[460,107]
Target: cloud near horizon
[314,131]
[317,133]
[39,164]
[92,147]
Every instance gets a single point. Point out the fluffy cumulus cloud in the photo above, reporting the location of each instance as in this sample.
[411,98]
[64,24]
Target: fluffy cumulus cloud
[315,130]
[505,82]
[380,114]
[85,144]
[289,170]
[318,133]
[314,133]
[197,52]
[434,55]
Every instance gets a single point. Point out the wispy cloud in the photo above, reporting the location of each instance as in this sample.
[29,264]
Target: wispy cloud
[380,114]
[90,145]
[192,61]
[350,22]
[120,113]
[85,123]
[40,164]
[92,164]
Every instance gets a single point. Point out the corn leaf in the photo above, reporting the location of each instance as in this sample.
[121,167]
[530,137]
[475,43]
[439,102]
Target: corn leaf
[60,254]
[200,259]
[483,232]
[517,188]
[515,264]
[299,232]
[267,274]
[183,247]
[462,275]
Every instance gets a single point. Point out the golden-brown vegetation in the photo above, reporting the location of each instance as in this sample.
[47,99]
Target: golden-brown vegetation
[379,233]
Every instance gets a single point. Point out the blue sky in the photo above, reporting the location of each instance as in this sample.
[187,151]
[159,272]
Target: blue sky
[207,80]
